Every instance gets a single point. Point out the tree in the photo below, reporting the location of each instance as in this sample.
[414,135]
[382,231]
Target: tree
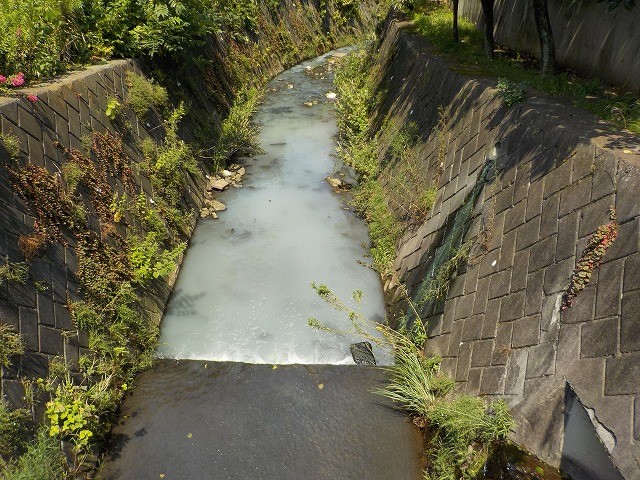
[456,36]
[545,34]
[487,12]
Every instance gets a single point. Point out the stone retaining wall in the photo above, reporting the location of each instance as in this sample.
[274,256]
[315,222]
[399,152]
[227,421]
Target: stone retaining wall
[500,330]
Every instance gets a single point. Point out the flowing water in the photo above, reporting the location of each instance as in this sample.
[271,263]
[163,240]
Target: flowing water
[244,291]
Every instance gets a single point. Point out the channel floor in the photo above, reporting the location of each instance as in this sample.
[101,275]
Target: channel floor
[191,419]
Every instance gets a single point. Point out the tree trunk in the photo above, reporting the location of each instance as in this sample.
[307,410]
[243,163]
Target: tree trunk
[487,12]
[455,20]
[547,45]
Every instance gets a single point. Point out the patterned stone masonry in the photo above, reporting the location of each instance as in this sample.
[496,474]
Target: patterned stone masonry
[501,332]
[65,112]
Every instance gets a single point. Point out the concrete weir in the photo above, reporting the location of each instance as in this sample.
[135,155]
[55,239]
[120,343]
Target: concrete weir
[217,420]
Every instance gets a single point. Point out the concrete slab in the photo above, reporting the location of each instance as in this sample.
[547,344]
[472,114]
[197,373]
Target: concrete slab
[201,420]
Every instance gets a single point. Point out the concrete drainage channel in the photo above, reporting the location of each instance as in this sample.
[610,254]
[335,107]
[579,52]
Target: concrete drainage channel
[296,407]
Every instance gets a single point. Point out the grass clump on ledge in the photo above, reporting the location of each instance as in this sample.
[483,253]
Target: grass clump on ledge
[434,23]
[238,136]
[461,431]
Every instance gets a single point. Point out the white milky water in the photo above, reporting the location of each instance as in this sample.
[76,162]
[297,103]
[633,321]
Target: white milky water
[244,292]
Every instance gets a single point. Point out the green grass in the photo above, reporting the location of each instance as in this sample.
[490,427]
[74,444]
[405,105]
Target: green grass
[42,461]
[620,109]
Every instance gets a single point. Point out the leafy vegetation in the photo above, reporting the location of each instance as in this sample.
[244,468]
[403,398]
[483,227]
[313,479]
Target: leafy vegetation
[618,108]
[238,136]
[14,272]
[510,92]
[11,144]
[144,95]
[14,428]
[11,344]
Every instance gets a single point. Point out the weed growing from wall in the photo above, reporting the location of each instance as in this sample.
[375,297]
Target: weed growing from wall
[591,258]
[11,344]
[11,144]
[144,95]
[14,272]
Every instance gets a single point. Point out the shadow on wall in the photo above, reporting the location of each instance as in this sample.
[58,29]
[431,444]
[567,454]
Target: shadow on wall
[584,455]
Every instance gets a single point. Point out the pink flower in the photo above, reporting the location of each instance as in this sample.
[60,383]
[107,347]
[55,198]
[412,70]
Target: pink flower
[18,32]
[2,79]
[18,80]
[32,98]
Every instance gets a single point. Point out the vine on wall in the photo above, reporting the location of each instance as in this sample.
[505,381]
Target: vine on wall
[591,258]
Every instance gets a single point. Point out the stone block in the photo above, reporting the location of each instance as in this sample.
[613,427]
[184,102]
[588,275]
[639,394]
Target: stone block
[549,216]
[526,331]
[482,296]
[13,393]
[627,242]
[512,306]
[29,123]
[57,104]
[471,279]
[534,292]
[582,162]
[493,379]
[595,215]
[502,344]
[628,186]
[516,370]
[472,385]
[464,361]
[599,338]
[34,365]
[9,314]
[609,289]
[575,197]
[472,328]
[557,179]
[622,374]
[62,316]
[632,272]
[29,327]
[541,361]
[604,177]
[504,199]
[514,217]
[507,250]
[630,322]
[636,419]
[520,271]
[528,233]
[71,355]
[542,253]
[567,236]
[583,309]
[464,305]
[50,340]
[557,277]
[455,339]
[534,200]
[45,310]
[500,284]
[481,354]
[488,264]
[456,287]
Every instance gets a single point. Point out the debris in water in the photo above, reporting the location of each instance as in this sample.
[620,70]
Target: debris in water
[330,95]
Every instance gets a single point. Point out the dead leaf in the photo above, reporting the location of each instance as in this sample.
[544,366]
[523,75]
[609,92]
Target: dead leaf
[320,386]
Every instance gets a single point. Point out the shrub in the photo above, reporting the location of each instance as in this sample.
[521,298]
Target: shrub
[11,144]
[237,135]
[14,428]
[43,460]
[144,95]
[14,272]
